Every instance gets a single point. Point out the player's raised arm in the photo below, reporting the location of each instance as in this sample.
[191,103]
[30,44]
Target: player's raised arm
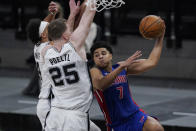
[143,65]
[102,82]
[79,16]
[79,35]
[53,9]
[74,9]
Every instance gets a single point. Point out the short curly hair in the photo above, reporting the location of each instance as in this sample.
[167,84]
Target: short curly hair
[33,30]
[101,44]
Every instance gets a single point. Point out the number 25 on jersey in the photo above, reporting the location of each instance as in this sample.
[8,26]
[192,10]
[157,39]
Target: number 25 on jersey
[71,75]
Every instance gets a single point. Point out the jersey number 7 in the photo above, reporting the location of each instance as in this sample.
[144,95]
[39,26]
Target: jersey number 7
[121,92]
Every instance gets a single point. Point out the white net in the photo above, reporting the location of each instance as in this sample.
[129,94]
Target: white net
[105,4]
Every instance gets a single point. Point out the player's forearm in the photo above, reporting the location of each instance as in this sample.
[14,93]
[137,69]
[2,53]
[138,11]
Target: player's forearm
[107,80]
[79,35]
[70,22]
[78,18]
[87,16]
[50,17]
[156,52]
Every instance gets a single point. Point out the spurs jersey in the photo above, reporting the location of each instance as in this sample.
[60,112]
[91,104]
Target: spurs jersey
[44,81]
[70,78]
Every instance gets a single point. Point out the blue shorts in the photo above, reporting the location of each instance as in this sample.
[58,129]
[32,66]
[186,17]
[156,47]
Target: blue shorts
[135,123]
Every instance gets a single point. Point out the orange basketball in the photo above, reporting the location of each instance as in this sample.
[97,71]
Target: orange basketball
[151,27]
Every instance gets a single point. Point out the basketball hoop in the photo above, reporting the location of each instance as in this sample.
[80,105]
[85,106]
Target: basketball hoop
[104,4]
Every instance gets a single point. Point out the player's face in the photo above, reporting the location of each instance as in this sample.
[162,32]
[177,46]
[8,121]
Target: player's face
[102,57]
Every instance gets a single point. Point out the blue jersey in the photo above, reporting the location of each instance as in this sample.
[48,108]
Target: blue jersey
[116,101]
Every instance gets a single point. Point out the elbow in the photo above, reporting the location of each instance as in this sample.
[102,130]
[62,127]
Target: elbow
[102,88]
[153,64]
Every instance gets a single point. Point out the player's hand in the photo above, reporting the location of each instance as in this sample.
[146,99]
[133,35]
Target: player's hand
[74,8]
[132,59]
[53,7]
[163,33]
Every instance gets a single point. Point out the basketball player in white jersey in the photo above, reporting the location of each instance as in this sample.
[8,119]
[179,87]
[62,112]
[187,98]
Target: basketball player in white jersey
[37,32]
[65,62]
[41,40]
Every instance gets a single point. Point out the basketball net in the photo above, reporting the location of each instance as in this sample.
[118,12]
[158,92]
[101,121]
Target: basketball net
[104,4]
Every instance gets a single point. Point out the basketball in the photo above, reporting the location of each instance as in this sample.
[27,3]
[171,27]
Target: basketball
[151,27]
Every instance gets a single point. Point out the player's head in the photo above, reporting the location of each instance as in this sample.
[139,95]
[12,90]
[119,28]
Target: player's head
[33,30]
[37,30]
[57,30]
[102,54]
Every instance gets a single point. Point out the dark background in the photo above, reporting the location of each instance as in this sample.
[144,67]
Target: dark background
[180,17]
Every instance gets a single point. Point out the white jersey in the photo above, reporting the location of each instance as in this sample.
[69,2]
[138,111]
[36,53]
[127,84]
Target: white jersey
[44,81]
[70,79]
[43,105]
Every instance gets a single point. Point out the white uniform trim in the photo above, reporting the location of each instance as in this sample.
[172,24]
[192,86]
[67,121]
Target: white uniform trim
[42,27]
[43,105]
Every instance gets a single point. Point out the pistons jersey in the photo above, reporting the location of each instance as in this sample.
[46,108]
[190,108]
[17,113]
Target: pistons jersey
[70,78]
[44,81]
[116,101]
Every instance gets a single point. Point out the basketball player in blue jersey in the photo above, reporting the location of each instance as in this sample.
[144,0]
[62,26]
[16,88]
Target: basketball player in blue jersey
[112,91]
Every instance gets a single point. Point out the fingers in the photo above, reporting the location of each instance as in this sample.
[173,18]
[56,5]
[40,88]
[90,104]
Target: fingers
[132,59]
[78,3]
[71,2]
[136,55]
[120,62]
[135,61]
[52,7]
[52,3]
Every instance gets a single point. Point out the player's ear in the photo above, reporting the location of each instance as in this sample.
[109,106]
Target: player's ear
[65,36]
[43,35]
[110,56]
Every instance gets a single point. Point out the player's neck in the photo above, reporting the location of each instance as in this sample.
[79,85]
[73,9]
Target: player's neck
[44,40]
[108,68]
[58,44]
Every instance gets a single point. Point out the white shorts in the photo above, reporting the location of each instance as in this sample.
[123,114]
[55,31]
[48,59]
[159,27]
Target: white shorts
[43,107]
[66,120]
[94,127]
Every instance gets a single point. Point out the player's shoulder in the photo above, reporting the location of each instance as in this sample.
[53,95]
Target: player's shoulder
[45,49]
[95,70]
[38,48]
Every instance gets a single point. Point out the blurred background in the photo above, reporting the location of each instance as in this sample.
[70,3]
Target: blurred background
[174,78]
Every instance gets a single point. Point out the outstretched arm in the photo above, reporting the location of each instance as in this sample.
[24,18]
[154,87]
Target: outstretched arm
[53,9]
[143,65]
[102,82]
[78,18]
[74,9]
[79,35]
